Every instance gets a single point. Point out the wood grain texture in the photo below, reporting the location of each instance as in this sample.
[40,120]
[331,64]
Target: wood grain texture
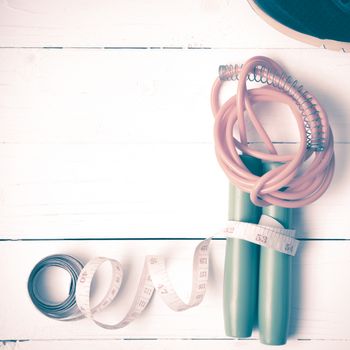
[155,23]
[171,344]
[140,190]
[117,143]
[92,139]
[319,308]
[148,96]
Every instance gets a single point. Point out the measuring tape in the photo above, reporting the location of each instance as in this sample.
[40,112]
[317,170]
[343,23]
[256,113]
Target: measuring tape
[269,233]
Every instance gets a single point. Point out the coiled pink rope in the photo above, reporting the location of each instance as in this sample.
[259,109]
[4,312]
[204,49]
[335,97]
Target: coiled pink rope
[294,183]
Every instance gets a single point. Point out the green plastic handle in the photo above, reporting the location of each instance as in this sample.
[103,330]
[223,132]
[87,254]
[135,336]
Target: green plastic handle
[241,264]
[274,283]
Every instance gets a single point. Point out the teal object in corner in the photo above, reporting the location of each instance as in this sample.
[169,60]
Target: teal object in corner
[274,283]
[241,263]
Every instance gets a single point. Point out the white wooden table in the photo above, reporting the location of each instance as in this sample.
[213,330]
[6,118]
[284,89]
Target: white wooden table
[106,149]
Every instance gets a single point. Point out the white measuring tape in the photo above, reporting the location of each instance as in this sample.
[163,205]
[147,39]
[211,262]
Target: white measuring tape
[269,233]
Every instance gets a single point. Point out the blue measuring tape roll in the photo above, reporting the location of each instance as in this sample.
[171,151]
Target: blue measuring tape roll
[67,309]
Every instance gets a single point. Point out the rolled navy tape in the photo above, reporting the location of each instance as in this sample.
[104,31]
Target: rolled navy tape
[66,309]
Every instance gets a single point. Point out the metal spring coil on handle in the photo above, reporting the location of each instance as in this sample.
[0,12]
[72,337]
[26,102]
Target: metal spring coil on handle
[290,185]
[286,83]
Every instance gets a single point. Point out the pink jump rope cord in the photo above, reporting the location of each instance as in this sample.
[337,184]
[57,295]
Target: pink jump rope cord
[288,185]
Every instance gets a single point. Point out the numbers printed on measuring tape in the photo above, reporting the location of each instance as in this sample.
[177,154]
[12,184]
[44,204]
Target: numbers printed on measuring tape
[261,238]
[203,261]
[288,247]
[162,289]
[203,274]
[155,277]
[275,236]
[201,286]
[148,291]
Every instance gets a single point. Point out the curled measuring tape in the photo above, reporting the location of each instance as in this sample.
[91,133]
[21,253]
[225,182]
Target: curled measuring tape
[154,276]
[66,309]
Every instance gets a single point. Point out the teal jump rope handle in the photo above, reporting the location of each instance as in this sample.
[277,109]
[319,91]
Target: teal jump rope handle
[241,264]
[274,283]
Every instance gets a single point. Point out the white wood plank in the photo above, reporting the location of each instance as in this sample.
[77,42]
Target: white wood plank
[115,143]
[136,190]
[199,23]
[147,96]
[87,150]
[111,191]
[320,305]
[171,344]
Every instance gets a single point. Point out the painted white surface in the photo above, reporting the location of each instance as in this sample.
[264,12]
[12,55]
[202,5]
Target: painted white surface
[117,143]
[181,23]
[94,138]
[173,190]
[171,344]
[147,96]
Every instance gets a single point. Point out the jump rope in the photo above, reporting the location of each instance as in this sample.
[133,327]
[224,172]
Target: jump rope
[264,187]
